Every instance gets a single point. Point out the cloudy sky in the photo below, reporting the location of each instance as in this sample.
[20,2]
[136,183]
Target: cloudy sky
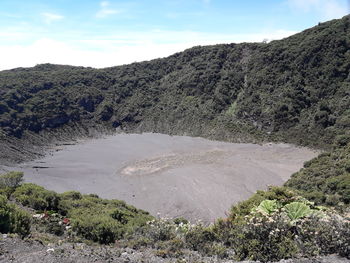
[114,32]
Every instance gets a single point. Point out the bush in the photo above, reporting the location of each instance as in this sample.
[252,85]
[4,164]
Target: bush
[199,237]
[11,179]
[326,178]
[275,230]
[321,236]
[21,222]
[157,230]
[9,182]
[98,228]
[13,219]
[101,220]
[264,239]
[37,197]
[283,195]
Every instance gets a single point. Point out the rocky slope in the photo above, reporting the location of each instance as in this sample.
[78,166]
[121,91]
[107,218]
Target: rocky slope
[16,250]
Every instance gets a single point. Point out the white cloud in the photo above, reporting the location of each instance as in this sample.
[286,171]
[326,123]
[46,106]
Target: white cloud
[126,47]
[50,17]
[104,3]
[106,10]
[328,9]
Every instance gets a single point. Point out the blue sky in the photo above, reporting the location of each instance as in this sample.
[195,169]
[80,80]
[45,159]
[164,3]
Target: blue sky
[114,32]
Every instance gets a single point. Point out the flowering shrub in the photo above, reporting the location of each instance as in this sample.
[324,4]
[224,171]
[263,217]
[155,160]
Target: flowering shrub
[275,230]
[327,235]
[264,238]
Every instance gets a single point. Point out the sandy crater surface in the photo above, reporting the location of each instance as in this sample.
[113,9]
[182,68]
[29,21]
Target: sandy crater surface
[169,176]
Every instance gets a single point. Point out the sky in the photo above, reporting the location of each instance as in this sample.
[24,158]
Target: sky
[103,33]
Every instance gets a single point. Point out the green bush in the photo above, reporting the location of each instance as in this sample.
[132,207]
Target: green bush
[282,195]
[326,178]
[102,229]
[264,239]
[100,220]
[37,197]
[11,179]
[199,238]
[13,219]
[9,182]
[321,236]
[275,230]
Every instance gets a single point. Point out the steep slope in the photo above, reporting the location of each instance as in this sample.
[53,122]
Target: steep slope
[325,179]
[296,90]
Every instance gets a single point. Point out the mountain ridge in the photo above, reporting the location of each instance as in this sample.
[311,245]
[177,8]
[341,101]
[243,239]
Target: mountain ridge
[294,90]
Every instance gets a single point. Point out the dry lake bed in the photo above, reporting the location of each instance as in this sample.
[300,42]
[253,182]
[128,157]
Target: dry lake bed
[169,176]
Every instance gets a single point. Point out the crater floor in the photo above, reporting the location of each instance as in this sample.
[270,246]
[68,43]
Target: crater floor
[169,176]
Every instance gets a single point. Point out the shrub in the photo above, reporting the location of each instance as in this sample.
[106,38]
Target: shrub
[21,222]
[264,239]
[342,140]
[158,230]
[273,231]
[37,197]
[5,219]
[101,220]
[13,219]
[98,228]
[199,237]
[9,182]
[326,179]
[282,195]
[11,179]
[321,236]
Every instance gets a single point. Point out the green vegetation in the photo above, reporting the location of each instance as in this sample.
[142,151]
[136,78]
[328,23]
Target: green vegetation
[36,197]
[295,90]
[278,223]
[91,217]
[9,182]
[326,178]
[267,230]
[271,225]
[13,219]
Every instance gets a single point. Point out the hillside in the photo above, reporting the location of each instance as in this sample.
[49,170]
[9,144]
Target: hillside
[296,90]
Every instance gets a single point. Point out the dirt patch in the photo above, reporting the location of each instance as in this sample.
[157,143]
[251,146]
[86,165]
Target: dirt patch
[167,175]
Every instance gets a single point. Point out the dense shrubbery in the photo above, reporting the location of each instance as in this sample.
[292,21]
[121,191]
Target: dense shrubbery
[281,194]
[12,218]
[283,225]
[36,197]
[91,217]
[271,225]
[326,178]
[101,220]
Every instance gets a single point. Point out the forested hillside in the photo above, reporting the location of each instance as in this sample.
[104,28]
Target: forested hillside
[296,90]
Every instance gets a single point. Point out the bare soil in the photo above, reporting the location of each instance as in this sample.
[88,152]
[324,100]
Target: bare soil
[169,176]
